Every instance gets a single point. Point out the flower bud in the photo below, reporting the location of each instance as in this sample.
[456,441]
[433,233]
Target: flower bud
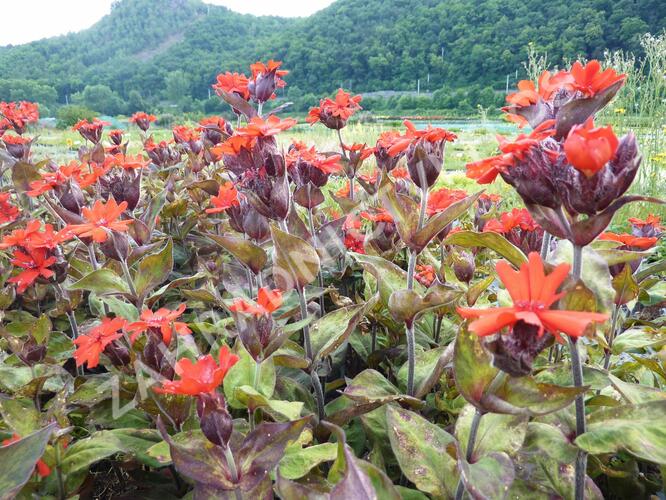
[216,422]
[463,265]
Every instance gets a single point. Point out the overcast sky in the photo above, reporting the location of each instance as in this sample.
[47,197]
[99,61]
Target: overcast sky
[27,20]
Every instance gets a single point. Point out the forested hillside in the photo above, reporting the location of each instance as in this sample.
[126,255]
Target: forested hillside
[147,51]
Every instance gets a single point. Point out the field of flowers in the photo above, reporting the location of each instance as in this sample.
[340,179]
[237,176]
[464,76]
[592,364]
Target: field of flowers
[258,308]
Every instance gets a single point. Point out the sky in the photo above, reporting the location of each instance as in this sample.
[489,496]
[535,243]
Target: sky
[35,19]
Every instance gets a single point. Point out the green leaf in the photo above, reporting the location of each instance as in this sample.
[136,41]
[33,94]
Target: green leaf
[421,450]
[252,399]
[405,305]
[389,276]
[85,452]
[638,338]
[23,174]
[248,253]
[102,282]
[636,429]
[242,373]
[295,261]
[20,414]
[625,286]
[297,462]
[436,224]
[493,241]
[154,269]
[636,393]
[330,331]
[19,459]
[472,368]
[489,477]
[428,367]
[526,396]
[497,432]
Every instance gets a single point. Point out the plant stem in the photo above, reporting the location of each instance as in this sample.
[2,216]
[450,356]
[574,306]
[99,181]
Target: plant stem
[320,276]
[411,267]
[232,470]
[545,245]
[307,345]
[473,431]
[373,343]
[319,394]
[438,329]
[577,270]
[128,279]
[59,476]
[424,206]
[577,375]
[411,354]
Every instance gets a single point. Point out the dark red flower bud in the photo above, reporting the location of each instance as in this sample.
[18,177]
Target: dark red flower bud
[123,186]
[424,161]
[32,353]
[255,225]
[216,422]
[118,354]
[533,177]
[71,197]
[463,265]
[116,247]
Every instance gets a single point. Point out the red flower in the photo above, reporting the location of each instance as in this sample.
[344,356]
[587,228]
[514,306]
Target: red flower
[343,192]
[261,68]
[370,178]
[234,145]
[182,134]
[485,171]
[142,120]
[360,149]
[517,218]
[90,130]
[73,171]
[232,83]
[400,173]
[533,293]
[90,345]
[267,301]
[590,80]
[202,377]
[548,84]
[378,215]
[651,220]
[41,468]
[353,237]
[35,263]
[412,136]
[162,320]
[8,212]
[335,113]
[259,127]
[227,197]
[589,149]
[629,240]
[126,162]
[102,218]
[440,200]
[425,275]
[17,116]
[21,237]
[300,153]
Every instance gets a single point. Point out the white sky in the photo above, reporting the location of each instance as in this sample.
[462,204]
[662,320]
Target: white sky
[27,20]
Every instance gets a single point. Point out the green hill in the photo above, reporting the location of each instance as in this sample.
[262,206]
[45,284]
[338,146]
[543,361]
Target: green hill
[151,50]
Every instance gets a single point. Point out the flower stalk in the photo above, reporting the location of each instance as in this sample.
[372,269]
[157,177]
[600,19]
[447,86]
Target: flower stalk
[473,431]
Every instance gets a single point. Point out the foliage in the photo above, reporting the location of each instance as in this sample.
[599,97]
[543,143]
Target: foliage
[211,312]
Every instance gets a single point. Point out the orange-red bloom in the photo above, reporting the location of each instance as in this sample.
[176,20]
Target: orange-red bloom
[142,120]
[235,83]
[335,112]
[35,263]
[227,197]
[8,212]
[202,377]
[629,240]
[163,321]
[18,115]
[590,80]
[126,162]
[73,171]
[378,215]
[41,468]
[90,345]
[533,293]
[101,218]
[258,127]
[589,149]
[425,274]
[90,130]
[485,171]
[441,199]
[516,218]
[650,220]
[412,135]
[267,301]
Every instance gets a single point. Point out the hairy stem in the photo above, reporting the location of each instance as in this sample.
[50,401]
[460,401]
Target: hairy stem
[319,394]
[320,276]
[577,374]
[545,245]
[411,267]
[307,345]
[411,355]
[473,431]
[233,471]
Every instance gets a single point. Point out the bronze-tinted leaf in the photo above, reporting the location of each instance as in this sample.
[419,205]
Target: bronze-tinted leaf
[295,261]
[248,253]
